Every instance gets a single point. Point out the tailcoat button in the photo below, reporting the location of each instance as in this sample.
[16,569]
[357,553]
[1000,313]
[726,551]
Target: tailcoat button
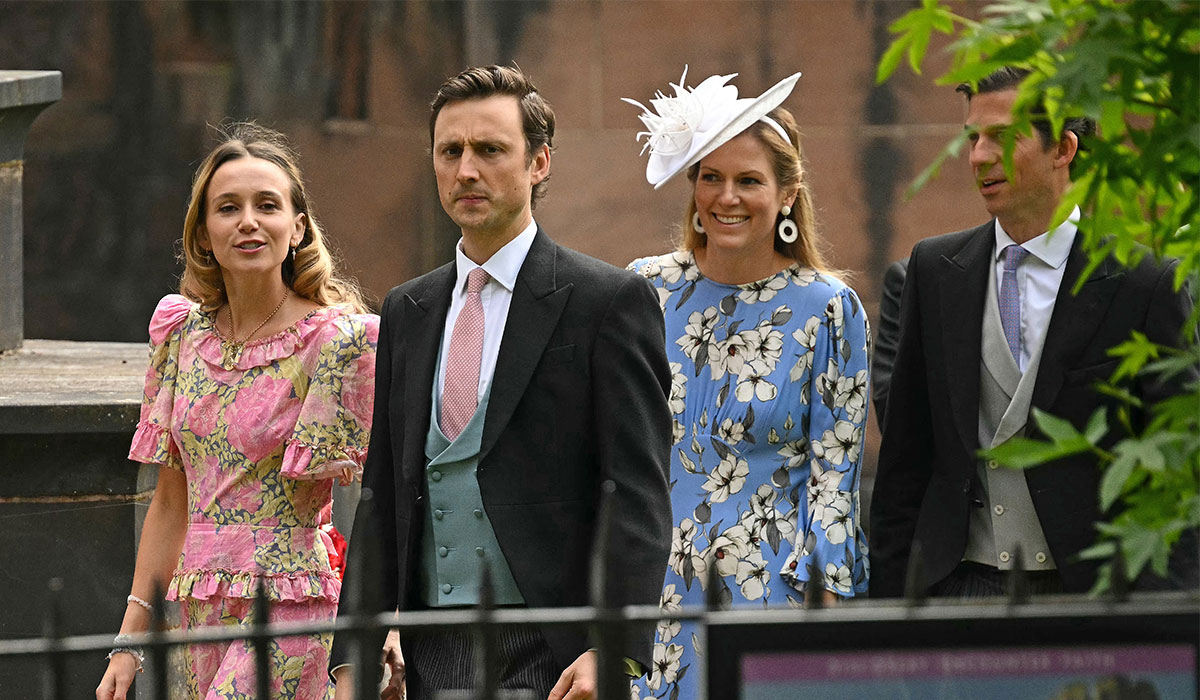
[478,513]
[442,552]
[1005,556]
[446,588]
[436,476]
[479,551]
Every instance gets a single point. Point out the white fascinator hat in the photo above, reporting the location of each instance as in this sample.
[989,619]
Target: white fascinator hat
[681,130]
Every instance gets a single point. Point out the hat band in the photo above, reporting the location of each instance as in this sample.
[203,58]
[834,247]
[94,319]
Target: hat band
[775,125]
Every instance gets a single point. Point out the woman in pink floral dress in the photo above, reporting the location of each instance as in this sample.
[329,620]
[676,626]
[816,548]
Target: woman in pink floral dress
[258,397]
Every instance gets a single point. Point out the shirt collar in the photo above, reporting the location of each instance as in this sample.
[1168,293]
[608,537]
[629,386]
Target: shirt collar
[504,265]
[1052,247]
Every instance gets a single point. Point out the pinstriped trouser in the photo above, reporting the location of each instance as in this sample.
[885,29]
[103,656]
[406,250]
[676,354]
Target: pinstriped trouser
[445,660]
[972,580]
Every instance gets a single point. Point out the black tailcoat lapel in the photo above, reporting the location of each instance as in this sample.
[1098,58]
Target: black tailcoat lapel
[1075,320]
[425,319]
[539,298]
[963,286]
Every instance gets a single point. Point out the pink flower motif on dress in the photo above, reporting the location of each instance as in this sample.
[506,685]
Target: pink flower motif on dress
[359,397]
[202,417]
[260,418]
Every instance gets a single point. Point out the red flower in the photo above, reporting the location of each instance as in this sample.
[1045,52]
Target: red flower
[337,555]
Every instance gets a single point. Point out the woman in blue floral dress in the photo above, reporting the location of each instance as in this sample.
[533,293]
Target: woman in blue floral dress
[769,354]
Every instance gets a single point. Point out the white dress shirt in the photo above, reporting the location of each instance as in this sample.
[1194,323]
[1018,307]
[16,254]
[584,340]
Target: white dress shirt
[503,268]
[1038,278]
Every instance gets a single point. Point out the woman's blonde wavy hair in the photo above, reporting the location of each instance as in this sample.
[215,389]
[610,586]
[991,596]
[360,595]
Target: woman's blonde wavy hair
[313,275]
[788,164]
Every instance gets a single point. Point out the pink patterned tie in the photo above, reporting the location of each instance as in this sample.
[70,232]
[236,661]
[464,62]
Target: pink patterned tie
[460,390]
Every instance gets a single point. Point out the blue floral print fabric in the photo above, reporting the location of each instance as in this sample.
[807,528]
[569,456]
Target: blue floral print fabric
[769,397]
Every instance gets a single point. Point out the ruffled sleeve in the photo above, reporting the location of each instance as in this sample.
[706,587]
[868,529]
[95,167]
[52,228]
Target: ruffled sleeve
[830,545]
[334,425]
[152,441]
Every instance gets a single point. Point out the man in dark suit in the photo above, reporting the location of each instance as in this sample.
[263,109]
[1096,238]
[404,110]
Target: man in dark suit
[887,336]
[990,328]
[511,384]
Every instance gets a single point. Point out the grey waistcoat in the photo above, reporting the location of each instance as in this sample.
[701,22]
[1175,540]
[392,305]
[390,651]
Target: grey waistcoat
[1007,517]
[458,535]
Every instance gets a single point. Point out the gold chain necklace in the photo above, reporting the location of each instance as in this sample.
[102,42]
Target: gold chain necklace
[233,346]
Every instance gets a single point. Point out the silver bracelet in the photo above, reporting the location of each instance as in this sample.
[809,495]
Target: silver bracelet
[122,647]
[139,602]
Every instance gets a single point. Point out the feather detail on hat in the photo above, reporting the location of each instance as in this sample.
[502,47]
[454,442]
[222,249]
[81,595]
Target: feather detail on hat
[681,130]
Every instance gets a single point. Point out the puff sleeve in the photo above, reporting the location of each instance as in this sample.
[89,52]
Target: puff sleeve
[153,442]
[334,424]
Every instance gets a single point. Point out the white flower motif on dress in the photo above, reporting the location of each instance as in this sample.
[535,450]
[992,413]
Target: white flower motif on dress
[678,432]
[754,386]
[833,313]
[769,350]
[838,578]
[669,603]
[727,478]
[795,452]
[678,389]
[649,270]
[665,665]
[735,352]
[752,576]
[807,339]
[676,266]
[698,333]
[663,295]
[826,382]
[802,276]
[727,548]
[824,486]
[764,521]
[731,432]
[837,521]
[684,557]
[836,445]
[851,394]
[763,290]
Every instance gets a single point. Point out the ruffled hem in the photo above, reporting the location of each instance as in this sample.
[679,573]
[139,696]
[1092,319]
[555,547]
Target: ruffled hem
[152,444]
[262,351]
[310,463]
[802,568]
[284,587]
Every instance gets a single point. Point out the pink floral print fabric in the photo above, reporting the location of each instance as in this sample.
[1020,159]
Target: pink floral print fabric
[261,437]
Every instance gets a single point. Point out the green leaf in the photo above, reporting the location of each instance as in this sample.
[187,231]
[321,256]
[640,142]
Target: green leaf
[1022,453]
[1115,476]
[1101,550]
[891,59]
[1055,428]
[1097,426]
[1139,545]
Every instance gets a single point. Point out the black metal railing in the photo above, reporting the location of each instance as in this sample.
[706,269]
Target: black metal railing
[862,623]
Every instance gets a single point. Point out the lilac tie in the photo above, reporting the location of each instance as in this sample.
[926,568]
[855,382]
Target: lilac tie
[460,390]
[1010,300]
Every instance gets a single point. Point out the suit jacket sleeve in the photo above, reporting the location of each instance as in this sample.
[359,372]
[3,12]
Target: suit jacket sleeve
[370,583]
[633,424]
[887,336]
[905,454]
[1165,323]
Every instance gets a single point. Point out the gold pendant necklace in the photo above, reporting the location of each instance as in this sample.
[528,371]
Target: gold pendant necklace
[232,347]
